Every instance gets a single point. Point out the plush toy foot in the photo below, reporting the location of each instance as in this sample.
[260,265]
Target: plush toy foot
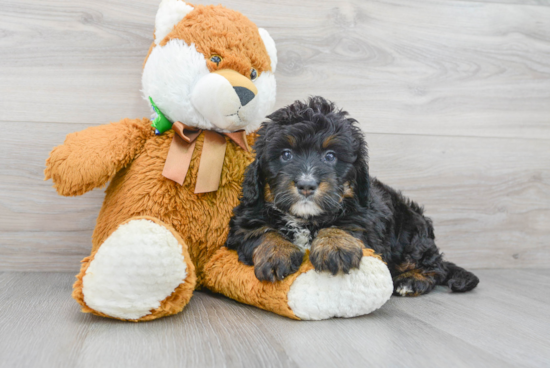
[141,272]
[306,294]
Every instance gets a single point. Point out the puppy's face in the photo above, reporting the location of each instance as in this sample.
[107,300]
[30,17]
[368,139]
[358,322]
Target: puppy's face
[309,165]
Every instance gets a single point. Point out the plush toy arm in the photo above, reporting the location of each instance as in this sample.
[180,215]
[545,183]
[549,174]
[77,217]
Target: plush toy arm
[90,158]
[305,294]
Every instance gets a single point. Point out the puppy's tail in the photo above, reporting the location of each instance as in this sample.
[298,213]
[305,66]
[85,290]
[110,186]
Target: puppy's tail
[458,279]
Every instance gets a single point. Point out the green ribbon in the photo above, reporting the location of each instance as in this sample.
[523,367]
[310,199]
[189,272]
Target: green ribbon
[161,123]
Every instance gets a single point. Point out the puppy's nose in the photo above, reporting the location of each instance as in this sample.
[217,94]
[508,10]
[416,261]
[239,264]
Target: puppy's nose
[306,187]
[245,95]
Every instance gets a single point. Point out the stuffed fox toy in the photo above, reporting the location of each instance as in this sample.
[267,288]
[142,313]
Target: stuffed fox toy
[175,179]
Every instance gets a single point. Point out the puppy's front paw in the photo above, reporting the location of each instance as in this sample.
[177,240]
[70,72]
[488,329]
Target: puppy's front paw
[335,250]
[276,258]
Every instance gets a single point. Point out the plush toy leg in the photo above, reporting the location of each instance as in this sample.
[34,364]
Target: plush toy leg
[142,271]
[306,294]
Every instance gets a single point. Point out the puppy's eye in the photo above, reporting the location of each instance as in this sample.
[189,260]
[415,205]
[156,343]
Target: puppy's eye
[253,74]
[216,59]
[286,155]
[330,156]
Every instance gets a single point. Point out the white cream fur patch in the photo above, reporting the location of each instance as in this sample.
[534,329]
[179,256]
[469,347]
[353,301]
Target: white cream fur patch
[267,93]
[216,100]
[305,209]
[170,13]
[403,290]
[136,268]
[320,295]
[169,76]
[172,73]
[177,78]
[270,47]
[301,236]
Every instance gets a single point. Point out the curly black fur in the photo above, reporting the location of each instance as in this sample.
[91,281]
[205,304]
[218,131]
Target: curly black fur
[326,148]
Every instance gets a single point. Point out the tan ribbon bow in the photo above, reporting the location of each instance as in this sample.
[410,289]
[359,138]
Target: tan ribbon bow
[213,153]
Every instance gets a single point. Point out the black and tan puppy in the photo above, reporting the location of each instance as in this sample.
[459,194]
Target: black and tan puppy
[309,188]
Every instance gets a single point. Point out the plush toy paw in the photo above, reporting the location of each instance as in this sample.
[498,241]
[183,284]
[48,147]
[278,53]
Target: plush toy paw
[321,295]
[305,294]
[142,271]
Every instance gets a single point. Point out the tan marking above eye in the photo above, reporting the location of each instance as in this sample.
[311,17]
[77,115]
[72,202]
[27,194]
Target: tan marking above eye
[328,140]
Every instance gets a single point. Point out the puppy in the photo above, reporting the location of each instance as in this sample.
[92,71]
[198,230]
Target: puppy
[309,188]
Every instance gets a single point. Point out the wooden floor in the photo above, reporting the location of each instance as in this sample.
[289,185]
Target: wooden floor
[505,322]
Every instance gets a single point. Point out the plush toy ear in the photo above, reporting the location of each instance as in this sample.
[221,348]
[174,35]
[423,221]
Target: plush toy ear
[270,46]
[170,13]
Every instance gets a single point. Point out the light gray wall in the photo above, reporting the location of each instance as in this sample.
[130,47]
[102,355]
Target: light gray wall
[454,97]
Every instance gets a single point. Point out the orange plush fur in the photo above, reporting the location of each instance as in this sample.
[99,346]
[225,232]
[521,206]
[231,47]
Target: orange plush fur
[243,286]
[91,158]
[171,305]
[215,30]
[132,157]
[130,149]
[139,189]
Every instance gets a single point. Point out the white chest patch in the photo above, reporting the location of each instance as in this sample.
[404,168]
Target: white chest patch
[301,236]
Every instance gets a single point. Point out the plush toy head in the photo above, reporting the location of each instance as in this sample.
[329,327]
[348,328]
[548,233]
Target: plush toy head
[210,68]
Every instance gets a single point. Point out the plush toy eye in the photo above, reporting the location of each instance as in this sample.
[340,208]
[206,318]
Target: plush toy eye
[216,59]
[286,155]
[253,74]
[330,156]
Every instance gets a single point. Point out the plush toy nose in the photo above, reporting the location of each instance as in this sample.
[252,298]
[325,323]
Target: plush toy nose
[245,95]
[220,97]
[245,89]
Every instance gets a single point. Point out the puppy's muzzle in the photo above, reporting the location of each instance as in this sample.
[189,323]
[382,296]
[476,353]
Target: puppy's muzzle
[307,187]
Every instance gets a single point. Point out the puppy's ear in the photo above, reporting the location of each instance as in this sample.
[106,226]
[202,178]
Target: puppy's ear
[253,185]
[363,181]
